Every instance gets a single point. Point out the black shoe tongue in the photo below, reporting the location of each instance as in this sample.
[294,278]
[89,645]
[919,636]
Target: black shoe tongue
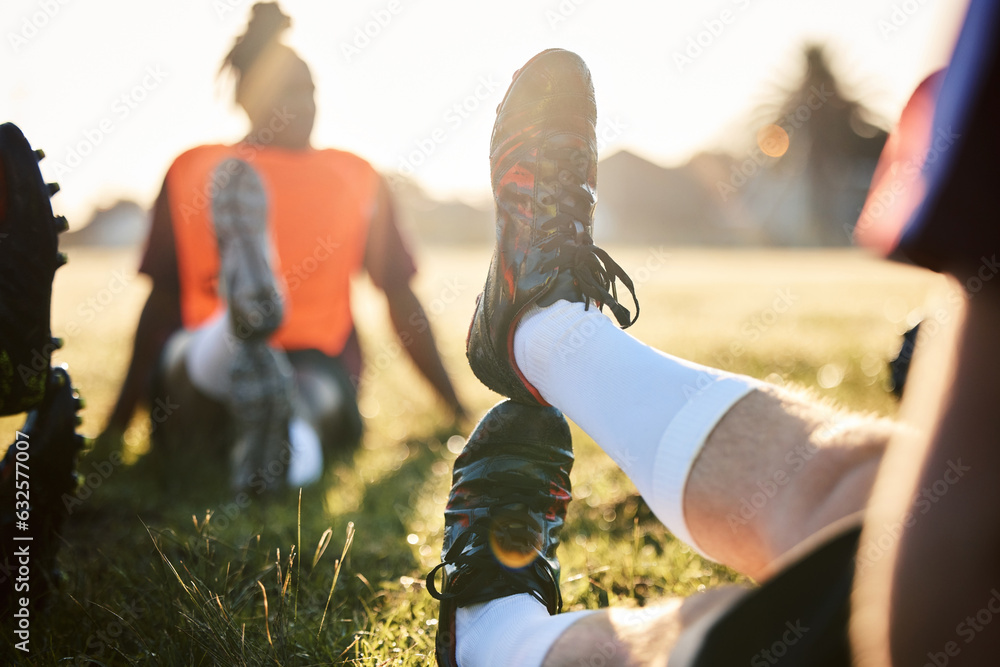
[563,287]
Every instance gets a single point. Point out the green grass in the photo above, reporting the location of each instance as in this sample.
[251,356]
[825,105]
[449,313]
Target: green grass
[163,567]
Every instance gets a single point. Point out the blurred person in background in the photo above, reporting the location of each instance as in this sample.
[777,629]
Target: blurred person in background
[253,246]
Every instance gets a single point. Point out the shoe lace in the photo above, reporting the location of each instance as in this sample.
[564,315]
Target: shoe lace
[594,272]
[483,569]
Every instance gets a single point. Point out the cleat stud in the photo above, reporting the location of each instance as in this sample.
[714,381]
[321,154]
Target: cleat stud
[53,188]
[61,259]
[79,420]
[57,342]
[81,403]
[39,154]
[62,224]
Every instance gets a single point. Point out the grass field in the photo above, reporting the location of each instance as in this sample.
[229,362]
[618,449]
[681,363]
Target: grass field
[162,567]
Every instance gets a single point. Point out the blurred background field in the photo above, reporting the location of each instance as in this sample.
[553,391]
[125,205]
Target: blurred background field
[162,565]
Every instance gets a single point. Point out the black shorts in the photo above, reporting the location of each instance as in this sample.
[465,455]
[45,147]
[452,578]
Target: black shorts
[343,433]
[798,618]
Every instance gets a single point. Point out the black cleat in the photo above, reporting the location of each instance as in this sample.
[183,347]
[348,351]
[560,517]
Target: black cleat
[543,162]
[29,257]
[261,377]
[35,475]
[510,490]
[246,275]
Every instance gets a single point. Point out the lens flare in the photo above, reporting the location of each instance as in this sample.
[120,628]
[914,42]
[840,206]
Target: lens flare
[514,545]
[773,140]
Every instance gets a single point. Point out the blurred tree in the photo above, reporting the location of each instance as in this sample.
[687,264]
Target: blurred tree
[813,193]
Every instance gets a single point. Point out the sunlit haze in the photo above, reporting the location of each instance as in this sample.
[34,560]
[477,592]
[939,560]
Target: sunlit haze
[113,90]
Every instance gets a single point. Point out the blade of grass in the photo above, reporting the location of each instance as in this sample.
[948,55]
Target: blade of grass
[324,542]
[336,575]
[267,623]
[298,547]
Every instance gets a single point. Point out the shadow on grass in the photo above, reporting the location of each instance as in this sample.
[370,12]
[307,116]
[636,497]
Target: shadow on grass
[164,565]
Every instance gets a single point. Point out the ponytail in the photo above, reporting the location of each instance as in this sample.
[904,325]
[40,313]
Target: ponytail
[267,23]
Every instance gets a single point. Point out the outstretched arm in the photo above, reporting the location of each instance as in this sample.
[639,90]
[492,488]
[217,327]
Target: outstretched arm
[414,331]
[390,266]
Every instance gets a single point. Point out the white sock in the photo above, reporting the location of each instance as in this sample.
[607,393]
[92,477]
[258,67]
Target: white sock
[514,631]
[649,411]
[306,464]
[210,357]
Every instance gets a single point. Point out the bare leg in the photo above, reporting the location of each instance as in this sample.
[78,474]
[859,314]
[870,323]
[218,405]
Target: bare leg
[772,475]
[742,470]
[635,636]
[778,468]
[904,567]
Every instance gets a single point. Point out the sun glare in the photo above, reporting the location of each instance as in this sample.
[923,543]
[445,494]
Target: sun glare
[773,140]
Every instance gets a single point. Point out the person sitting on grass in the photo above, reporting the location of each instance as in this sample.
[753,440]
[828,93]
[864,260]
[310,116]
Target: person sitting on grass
[251,253]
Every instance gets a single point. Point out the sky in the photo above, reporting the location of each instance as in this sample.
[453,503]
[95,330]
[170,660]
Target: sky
[113,90]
